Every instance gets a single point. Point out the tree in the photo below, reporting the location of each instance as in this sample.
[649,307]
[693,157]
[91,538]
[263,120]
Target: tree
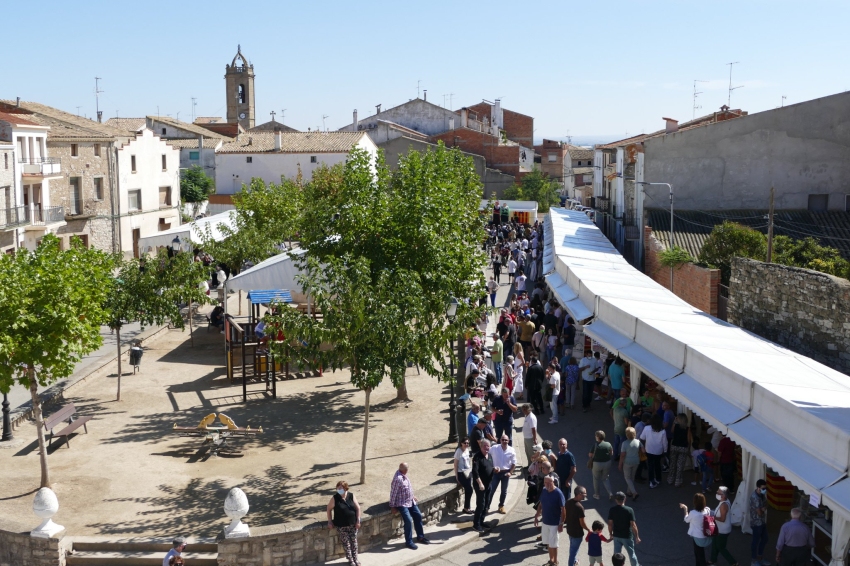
[385,255]
[195,187]
[53,305]
[536,186]
[730,240]
[809,254]
[265,216]
[675,257]
[151,294]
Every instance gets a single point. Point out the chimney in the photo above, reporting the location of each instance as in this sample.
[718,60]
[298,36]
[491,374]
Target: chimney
[18,103]
[356,123]
[497,114]
[451,123]
[672,125]
[100,115]
[464,117]
[425,94]
[378,111]
[200,144]
[277,138]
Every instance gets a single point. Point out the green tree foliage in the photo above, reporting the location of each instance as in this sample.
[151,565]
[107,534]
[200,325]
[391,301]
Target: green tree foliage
[536,186]
[386,253]
[195,185]
[149,291]
[675,257]
[729,240]
[53,303]
[265,216]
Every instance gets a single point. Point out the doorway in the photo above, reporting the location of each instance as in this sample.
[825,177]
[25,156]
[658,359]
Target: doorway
[136,236]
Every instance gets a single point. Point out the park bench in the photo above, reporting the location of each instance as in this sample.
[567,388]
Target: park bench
[57,419]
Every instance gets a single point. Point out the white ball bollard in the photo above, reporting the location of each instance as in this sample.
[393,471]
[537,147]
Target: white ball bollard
[235,507]
[45,505]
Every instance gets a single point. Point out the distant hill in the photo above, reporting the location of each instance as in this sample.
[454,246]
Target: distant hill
[588,141]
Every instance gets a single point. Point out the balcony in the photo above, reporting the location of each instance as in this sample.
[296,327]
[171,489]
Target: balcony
[14,217]
[47,217]
[40,167]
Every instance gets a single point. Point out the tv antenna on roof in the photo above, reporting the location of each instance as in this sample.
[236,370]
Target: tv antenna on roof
[696,107]
[783,100]
[418,82]
[194,104]
[323,121]
[97,92]
[729,99]
[282,115]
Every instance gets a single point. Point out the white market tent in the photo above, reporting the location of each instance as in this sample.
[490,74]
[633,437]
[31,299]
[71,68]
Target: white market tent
[277,272]
[785,410]
[529,206]
[188,233]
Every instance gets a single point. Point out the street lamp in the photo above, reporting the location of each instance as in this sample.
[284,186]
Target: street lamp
[451,313]
[175,244]
[672,237]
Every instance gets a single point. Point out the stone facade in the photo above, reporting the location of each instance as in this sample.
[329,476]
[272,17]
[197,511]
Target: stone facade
[805,311]
[18,548]
[698,286]
[292,545]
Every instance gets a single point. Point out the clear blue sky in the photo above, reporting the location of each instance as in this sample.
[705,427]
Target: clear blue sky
[580,68]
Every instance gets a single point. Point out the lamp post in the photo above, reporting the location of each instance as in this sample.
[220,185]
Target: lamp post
[7,423]
[451,312]
[672,237]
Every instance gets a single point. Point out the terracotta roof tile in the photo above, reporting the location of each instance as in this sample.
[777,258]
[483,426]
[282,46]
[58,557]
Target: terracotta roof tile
[132,125]
[294,142]
[186,126]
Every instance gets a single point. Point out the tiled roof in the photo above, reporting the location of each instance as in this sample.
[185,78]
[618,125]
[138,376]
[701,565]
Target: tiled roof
[692,227]
[270,126]
[577,152]
[186,126]
[192,143]
[294,142]
[66,125]
[689,125]
[209,120]
[130,124]
[16,119]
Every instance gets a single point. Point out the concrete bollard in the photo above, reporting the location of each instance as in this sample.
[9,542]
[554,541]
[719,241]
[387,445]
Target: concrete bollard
[236,507]
[45,505]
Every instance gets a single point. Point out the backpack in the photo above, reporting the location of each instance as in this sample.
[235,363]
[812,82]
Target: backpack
[709,527]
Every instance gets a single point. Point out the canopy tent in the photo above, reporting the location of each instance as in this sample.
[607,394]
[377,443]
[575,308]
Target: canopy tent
[191,233]
[277,272]
[267,296]
[529,206]
[786,410]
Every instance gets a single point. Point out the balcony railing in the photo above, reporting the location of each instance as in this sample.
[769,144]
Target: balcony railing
[47,215]
[41,166]
[14,217]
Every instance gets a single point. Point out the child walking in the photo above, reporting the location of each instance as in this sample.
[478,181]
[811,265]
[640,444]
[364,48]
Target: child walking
[594,539]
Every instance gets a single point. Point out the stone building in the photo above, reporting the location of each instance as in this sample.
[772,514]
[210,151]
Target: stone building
[239,81]
[116,185]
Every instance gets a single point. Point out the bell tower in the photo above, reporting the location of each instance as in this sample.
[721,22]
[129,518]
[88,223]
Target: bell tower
[239,80]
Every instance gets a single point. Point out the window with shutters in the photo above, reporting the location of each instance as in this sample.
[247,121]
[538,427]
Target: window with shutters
[132,163]
[76,195]
[75,150]
[98,188]
[97,150]
[164,196]
[134,201]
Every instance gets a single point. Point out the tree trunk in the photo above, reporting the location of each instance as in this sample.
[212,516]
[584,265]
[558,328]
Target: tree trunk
[365,438]
[118,338]
[191,335]
[401,391]
[39,426]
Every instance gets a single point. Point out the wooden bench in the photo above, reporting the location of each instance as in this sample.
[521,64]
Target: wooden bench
[58,419]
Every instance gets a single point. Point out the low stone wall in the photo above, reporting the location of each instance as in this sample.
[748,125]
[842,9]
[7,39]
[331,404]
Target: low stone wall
[18,548]
[292,544]
[806,311]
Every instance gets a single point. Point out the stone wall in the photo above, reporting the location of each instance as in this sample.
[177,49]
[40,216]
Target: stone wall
[18,548]
[292,544]
[805,311]
[698,286]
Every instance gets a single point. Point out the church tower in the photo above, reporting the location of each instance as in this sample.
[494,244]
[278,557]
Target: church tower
[239,79]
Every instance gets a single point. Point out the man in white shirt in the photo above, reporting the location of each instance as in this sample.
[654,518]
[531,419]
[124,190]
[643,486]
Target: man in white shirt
[179,545]
[520,282]
[554,381]
[587,369]
[504,460]
[511,270]
[529,430]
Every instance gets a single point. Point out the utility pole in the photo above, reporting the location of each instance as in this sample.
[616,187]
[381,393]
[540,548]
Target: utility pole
[97,92]
[194,103]
[282,115]
[770,229]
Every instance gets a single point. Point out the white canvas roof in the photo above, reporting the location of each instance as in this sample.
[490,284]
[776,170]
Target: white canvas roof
[792,412]
[277,272]
[191,232]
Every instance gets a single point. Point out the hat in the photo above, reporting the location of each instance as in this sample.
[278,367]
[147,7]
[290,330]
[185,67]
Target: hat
[537,448]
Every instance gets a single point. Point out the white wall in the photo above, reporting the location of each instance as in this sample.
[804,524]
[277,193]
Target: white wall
[232,169]
[149,177]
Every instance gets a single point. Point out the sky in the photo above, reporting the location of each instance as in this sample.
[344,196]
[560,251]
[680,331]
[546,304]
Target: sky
[593,71]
